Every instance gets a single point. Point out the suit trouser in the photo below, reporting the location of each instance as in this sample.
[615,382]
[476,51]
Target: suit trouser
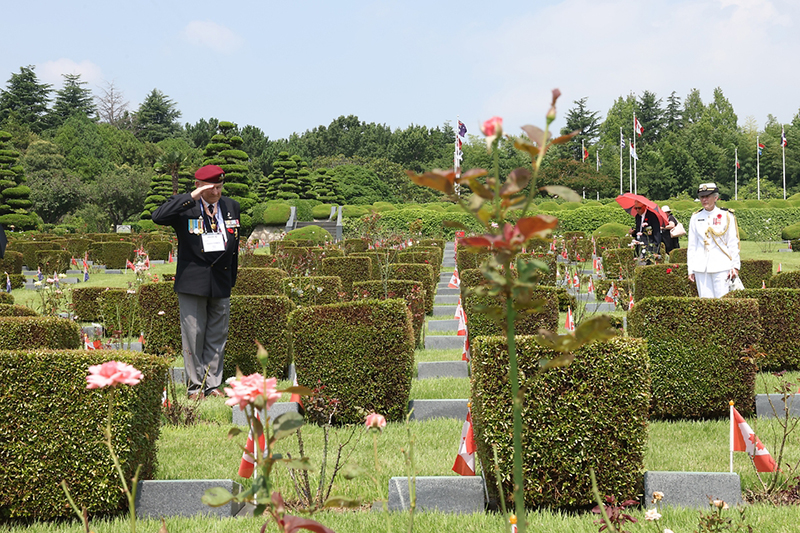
[712,284]
[204,332]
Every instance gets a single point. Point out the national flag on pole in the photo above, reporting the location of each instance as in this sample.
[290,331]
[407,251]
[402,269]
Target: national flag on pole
[585,154]
[621,142]
[783,138]
[465,460]
[455,281]
[745,440]
[248,464]
[638,126]
[737,162]
[760,148]
[462,129]
[633,152]
[569,324]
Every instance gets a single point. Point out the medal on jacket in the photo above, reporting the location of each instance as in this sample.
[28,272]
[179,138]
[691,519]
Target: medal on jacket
[196,226]
[212,216]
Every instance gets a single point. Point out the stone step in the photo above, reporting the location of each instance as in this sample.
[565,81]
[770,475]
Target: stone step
[444,310]
[447,291]
[239,417]
[448,263]
[446,299]
[182,497]
[443,325]
[766,402]
[444,285]
[444,277]
[443,369]
[428,409]
[444,494]
[444,342]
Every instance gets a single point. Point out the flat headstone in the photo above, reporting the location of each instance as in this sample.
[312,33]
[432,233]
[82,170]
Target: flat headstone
[444,277]
[600,307]
[585,297]
[113,271]
[444,342]
[446,494]
[70,280]
[692,489]
[451,299]
[427,409]
[765,409]
[157,498]
[447,291]
[74,272]
[443,369]
[132,346]
[95,330]
[444,310]
[239,418]
[156,261]
[178,374]
[785,250]
[443,325]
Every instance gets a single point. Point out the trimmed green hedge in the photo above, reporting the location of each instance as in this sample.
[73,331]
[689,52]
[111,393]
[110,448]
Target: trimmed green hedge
[779,312]
[422,258]
[381,258]
[66,441]
[161,318]
[159,250]
[84,303]
[258,281]
[362,352]
[413,292]
[312,290]
[592,414]
[313,233]
[51,261]
[785,280]
[467,259]
[417,272]
[256,261]
[354,245]
[696,361]
[112,254]
[663,280]
[549,277]
[11,262]
[16,310]
[24,332]
[579,247]
[754,271]
[28,250]
[349,270]
[119,311]
[619,261]
[262,318]
[678,255]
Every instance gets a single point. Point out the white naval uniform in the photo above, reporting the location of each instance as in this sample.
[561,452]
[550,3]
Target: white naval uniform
[713,250]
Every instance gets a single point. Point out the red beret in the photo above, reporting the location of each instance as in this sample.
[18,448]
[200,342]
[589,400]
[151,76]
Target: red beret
[210,174]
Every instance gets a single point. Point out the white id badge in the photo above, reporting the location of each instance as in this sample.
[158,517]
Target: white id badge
[213,242]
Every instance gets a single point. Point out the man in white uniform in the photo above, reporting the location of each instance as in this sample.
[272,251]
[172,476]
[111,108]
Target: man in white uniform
[713,248]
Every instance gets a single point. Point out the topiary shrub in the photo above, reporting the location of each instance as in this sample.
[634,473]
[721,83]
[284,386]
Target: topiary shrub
[546,278]
[412,292]
[663,280]
[313,234]
[6,298]
[538,245]
[779,312]
[68,439]
[678,255]
[321,212]
[28,250]
[612,229]
[119,311]
[621,261]
[361,352]
[607,243]
[262,318]
[467,259]
[77,247]
[791,233]
[432,242]
[592,414]
[381,258]
[53,261]
[349,270]
[417,272]
[355,211]
[159,250]
[16,310]
[271,214]
[258,281]
[695,347]
[579,248]
[256,261]
[113,254]
[11,262]
[424,258]
[785,280]
[34,332]
[354,245]
[161,318]
[312,290]
[754,272]
[84,303]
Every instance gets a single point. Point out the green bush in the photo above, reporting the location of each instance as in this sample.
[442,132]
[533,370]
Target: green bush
[258,281]
[354,245]
[84,303]
[549,206]
[579,247]
[355,211]
[34,332]
[312,290]
[754,272]
[396,223]
[6,298]
[321,212]
[349,270]
[362,352]
[77,247]
[16,310]
[381,257]
[248,260]
[119,311]
[612,229]
[112,254]
[159,250]
[161,318]
[538,245]
[271,214]
[417,272]
[261,318]
[68,443]
[412,292]
[606,243]
[424,258]
[52,261]
[592,414]
[619,261]
[678,255]
[297,242]
[432,242]
[791,233]
[785,280]
[11,262]
[467,258]
[315,234]
[28,250]
[779,312]
[663,280]
[548,277]
[695,347]
[765,224]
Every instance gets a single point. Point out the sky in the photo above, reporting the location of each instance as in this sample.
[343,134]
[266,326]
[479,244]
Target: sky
[291,66]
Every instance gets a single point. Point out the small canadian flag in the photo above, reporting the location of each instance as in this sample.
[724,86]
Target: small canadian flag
[460,315]
[462,324]
[763,284]
[564,253]
[248,464]
[455,281]
[465,460]
[576,281]
[779,267]
[466,355]
[553,245]
[590,289]
[743,439]
[630,303]
[569,324]
[610,295]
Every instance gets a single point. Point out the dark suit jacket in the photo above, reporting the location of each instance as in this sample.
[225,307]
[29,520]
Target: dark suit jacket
[653,241]
[211,274]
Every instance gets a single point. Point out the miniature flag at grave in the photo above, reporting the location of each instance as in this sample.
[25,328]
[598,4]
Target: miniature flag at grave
[790,245]
[590,289]
[569,325]
[296,397]
[169,257]
[459,310]
[248,464]
[553,245]
[91,345]
[130,265]
[165,400]
[513,521]
[576,281]
[141,338]
[567,279]
[39,273]
[74,262]
[466,355]
[780,267]
[462,325]
[744,440]
[564,253]
[85,272]
[147,261]
[465,460]
[8,283]
[611,294]
[763,284]
[630,303]
[455,281]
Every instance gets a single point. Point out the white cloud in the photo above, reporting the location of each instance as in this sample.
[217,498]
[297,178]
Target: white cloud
[51,71]
[212,35]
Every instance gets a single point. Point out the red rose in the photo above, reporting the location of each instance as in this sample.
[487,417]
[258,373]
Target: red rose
[669,271]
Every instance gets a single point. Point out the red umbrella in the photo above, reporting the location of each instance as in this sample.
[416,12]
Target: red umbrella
[629,200]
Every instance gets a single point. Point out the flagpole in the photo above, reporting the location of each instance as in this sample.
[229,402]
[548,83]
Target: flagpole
[758,167]
[621,143]
[783,149]
[731,437]
[630,167]
[635,185]
[736,174]
[456,166]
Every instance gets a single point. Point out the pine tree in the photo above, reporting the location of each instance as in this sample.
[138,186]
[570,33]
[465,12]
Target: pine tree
[14,209]
[224,150]
[284,182]
[27,99]
[72,99]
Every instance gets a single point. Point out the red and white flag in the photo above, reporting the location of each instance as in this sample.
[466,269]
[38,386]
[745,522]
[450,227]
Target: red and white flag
[169,258]
[455,281]
[165,399]
[569,324]
[459,311]
[763,284]
[147,261]
[564,253]
[462,324]
[576,281]
[465,460]
[130,265]
[638,126]
[630,303]
[466,355]
[744,440]
[610,294]
[590,289]
[780,267]
[553,245]
[248,464]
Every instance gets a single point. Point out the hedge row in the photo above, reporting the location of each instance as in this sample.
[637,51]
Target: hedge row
[312,290]
[412,292]
[417,272]
[258,281]
[161,318]
[349,270]
[695,347]
[336,346]
[34,332]
[592,414]
[66,441]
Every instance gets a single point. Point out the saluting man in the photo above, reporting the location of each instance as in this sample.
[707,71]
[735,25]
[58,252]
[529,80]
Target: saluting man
[207,226]
[713,248]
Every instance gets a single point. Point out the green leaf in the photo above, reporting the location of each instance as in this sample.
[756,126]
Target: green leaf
[287,424]
[562,361]
[562,192]
[534,133]
[233,432]
[352,471]
[516,181]
[304,463]
[341,501]
[597,328]
[260,509]
[216,497]
[299,389]
[454,224]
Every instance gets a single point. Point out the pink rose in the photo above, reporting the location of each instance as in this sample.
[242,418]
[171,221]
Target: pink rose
[246,390]
[376,421]
[112,373]
[492,127]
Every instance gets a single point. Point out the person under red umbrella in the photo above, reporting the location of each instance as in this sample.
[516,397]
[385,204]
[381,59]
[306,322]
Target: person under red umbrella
[646,231]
